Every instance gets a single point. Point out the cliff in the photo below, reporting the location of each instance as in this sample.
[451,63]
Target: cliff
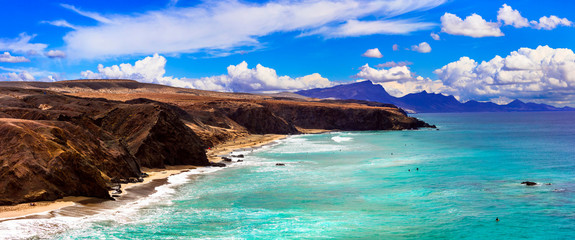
[54,145]
[79,137]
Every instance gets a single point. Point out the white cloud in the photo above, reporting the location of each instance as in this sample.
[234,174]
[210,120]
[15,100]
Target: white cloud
[551,22]
[372,53]
[415,85]
[422,47]
[55,54]
[61,23]
[95,16]
[435,36]
[355,28]
[230,24]
[473,26]
[22,45]
[393,64]
[399,80]
[398,73]
[395,47]
[240,78]
[12,76]
[149,69]
[28,74]
[509,16]
[8,58]
[543,73]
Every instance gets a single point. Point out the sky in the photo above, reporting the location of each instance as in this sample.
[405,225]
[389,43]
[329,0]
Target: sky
[482,50]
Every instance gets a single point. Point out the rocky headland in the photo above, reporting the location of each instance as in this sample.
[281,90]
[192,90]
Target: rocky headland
[81,138]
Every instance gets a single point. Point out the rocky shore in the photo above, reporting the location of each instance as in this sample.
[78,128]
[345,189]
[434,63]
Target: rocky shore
[80,138]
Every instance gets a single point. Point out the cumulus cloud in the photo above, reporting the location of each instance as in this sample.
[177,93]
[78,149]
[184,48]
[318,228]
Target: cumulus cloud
[398,73]
[22,45]
[55,54]
[435,36]
[201,28]
[512,17]
[393,64]
[398,80]
[372,53]
[473,26]
[395,47]
[541,73]
[422,47]
[8,58]
[239,78]
[551,22]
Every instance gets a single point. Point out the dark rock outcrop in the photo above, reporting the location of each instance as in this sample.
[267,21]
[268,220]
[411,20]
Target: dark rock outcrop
[528,183]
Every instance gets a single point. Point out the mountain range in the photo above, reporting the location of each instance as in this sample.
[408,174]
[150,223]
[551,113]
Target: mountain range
[422,102]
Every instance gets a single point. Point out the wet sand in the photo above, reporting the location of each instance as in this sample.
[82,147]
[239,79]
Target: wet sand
[131,191]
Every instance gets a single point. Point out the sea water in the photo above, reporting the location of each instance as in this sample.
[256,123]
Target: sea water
[450,183]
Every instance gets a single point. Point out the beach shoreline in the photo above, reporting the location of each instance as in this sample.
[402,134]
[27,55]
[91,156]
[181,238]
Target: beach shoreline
[214,154]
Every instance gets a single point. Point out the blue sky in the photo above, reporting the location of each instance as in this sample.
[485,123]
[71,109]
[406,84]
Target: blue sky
[259,46]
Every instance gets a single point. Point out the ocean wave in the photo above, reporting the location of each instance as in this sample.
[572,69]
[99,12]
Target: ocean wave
[339,139]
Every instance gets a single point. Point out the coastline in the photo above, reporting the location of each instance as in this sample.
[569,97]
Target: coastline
[155,175]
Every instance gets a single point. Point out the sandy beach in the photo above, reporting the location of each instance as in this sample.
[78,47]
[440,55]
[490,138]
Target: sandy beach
[250,141]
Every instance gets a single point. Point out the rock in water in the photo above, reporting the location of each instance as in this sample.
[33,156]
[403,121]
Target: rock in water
[528,183]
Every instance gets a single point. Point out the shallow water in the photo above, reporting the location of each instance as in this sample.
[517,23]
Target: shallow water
[426,184]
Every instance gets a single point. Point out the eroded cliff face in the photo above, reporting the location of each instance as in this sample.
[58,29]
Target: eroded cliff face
[347,118]
[52,145]
[155,135]
[47,160]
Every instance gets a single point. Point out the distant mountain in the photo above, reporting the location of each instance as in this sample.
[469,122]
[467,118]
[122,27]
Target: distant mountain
[421,102]
[365,90]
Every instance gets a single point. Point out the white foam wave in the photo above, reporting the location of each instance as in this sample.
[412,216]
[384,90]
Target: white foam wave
[339,139]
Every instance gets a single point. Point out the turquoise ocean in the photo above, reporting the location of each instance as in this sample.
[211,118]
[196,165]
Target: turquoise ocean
[450,183]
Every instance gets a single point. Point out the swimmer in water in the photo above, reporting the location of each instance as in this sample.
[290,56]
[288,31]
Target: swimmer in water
[497,219]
